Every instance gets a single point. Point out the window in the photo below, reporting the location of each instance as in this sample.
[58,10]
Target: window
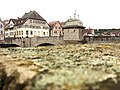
[1,32]
[43,33]
[19,26]
[30,21]
[26,32]
[30,26]
[60,33]
[17,33]
[37,22]
[42,22]
[1,26]
[59,27]
[11,33]
[22,32]
[31,32]
[26,26]
[6,34]
[73,30]
[33,21]
[11,25]
[55,32]
[39,27]
[43,27]
[33,26]
[55,27]
[39,32]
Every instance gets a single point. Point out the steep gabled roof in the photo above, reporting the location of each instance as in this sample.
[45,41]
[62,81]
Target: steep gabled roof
[16,22]
[6,22]
[26,16]
[20,21]
[33,15]
[53,23]
[13,20]
[62,24]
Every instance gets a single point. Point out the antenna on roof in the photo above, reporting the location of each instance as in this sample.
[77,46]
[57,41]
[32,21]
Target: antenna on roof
[75,15]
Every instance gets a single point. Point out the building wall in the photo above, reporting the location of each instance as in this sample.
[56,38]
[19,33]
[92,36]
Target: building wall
[1,30]
[10,32]
[73,34]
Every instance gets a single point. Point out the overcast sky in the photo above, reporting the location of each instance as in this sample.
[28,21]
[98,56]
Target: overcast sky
[93,13]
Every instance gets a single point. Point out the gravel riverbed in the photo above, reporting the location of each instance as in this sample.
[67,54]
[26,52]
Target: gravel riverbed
[67,67]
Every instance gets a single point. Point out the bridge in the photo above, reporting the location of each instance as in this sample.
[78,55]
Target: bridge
[35,41]
[44,41]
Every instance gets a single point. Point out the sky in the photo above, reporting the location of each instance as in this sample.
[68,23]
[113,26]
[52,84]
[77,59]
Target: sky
[96,14]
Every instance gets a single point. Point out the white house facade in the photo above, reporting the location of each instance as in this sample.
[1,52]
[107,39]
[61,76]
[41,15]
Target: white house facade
[30,25]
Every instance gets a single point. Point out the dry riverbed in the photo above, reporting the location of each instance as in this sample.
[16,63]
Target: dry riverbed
[68,67]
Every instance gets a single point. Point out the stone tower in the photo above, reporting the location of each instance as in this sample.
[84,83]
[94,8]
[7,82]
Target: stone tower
[73,29]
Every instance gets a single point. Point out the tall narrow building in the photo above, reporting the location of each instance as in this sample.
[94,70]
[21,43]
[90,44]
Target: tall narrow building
[56,28]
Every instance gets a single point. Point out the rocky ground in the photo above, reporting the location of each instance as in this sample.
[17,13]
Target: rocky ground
[68,67]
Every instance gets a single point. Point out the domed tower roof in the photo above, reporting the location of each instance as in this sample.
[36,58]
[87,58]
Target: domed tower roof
[74,22]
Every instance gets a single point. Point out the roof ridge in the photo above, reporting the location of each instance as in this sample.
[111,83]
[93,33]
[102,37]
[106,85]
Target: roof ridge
[33,15]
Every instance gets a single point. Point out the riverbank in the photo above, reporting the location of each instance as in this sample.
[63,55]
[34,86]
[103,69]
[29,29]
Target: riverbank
[67,67]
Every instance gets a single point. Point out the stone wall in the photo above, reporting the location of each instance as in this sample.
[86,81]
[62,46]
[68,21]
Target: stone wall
[73,34]
[102,39]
